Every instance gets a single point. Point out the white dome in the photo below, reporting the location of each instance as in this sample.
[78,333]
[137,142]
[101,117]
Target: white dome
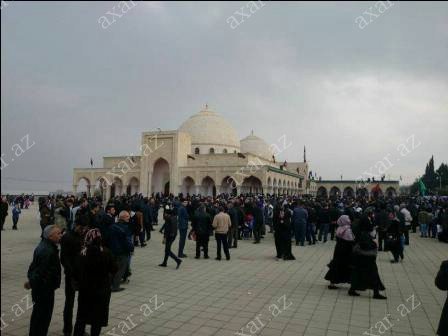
[255,145]
[208,129]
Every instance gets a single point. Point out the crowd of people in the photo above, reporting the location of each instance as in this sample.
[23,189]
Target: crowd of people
[98,240]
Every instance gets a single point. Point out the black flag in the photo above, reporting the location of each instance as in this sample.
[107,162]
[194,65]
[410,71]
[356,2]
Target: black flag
[91,162]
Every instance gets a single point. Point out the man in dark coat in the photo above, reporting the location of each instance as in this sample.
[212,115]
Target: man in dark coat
[258,222]
[442,284]
[107,222]
[121,246]
[3,211]
[170,233]
[182,215]
[71,243]
[44,277]
[147,218]
[235,219]
[202,226]
[45,215]
[334,214]
[382,223]
[299,222]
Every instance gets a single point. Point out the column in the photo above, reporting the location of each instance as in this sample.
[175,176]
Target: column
[75,188]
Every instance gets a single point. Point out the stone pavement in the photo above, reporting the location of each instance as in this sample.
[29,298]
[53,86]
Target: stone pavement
[250,294]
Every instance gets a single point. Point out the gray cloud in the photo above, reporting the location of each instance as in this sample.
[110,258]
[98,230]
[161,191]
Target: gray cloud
[301,69]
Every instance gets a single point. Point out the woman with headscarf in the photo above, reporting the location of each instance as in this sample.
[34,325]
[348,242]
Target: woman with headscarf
[365,272]
[282,232]
[96,268]
[340,266]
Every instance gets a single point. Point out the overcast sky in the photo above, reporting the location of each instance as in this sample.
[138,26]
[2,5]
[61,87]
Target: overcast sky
[304,70]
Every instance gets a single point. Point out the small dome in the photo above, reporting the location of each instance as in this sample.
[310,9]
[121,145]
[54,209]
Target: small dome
[257,146]
[208,128]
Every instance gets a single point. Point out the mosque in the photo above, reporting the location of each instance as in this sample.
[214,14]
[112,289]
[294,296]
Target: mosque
[203,156]
[206,156]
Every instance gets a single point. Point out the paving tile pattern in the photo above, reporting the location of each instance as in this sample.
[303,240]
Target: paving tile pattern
[240,296]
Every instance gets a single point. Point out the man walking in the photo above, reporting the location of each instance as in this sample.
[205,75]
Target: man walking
[15,216]
[44,277]
[169,234]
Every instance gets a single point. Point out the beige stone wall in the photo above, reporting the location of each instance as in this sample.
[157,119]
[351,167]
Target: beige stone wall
[171,146]
[113,161]
[342,185]
[174,147]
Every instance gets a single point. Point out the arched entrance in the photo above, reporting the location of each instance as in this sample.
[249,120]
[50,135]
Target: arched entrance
[391,192]
[83,186]
[362,192]
[160,177]
[251,185]
[117,187]
[100,188]
[335,192]
[322,192]
[349,192]
[188,186]
[228,186]
[208,187]
[133,186]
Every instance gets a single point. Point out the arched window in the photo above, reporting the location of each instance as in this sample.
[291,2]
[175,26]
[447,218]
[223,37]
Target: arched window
[196,150]
[212,150]
[224,151]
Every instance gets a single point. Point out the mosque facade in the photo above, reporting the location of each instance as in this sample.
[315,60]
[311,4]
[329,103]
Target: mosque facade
[203,156]
[206,156]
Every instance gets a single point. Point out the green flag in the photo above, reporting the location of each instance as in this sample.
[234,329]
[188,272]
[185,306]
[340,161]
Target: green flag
[421,187]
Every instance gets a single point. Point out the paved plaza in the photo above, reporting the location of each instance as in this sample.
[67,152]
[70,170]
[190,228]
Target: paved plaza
[250,294]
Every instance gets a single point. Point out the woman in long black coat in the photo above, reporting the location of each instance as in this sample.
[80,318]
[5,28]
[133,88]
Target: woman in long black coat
[96,268]
[282,232]
[340,267]
[365,272]
[442,284]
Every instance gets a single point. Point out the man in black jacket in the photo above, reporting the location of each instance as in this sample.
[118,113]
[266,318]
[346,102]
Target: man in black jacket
[202,226]
[44,277]
[257,213]
[442,284]
[71,243]
[3,211]
[235,219]
[170,232]
[382,223]
[121,246]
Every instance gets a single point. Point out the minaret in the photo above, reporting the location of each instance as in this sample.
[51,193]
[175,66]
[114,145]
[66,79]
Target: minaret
[304,154]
